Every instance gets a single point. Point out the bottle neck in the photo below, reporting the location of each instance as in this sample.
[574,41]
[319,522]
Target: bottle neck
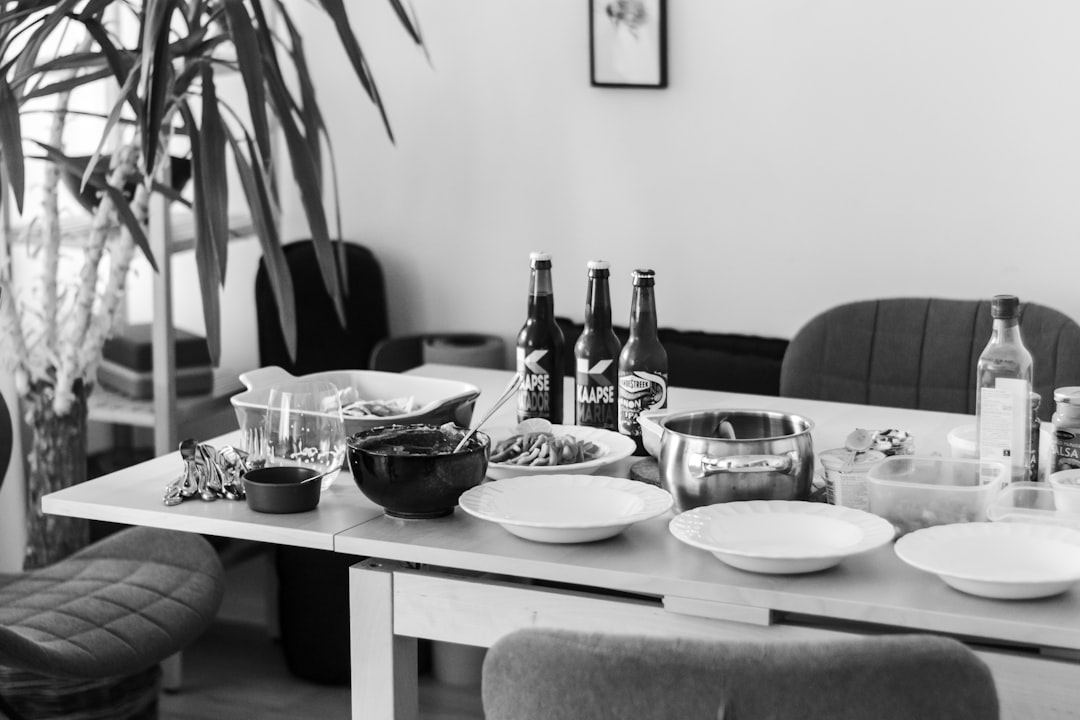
[598,303]
[541,295]
[643,312]
[1006,331]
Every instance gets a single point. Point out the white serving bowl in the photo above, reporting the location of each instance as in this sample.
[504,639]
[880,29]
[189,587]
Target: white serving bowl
[436,401]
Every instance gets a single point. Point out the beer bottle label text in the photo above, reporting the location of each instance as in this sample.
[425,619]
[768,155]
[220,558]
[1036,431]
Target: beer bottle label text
[534,396]
[639,391]
[595,395]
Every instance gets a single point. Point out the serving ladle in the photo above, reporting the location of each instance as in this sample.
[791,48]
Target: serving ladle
[511,388]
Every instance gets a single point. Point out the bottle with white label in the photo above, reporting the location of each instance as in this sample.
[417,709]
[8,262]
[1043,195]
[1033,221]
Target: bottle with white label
[643,362]
[540,349]
[596,356]
[1003,392]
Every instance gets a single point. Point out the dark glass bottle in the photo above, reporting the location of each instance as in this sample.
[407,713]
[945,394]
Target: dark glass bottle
[540,349]
[596,356]
[643,362]
[1003,392]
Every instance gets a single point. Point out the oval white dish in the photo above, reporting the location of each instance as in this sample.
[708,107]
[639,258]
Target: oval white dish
[781,536]
[565,508]
[1007,561]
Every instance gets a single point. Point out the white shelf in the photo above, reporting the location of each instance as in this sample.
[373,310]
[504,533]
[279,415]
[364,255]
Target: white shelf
[107,406]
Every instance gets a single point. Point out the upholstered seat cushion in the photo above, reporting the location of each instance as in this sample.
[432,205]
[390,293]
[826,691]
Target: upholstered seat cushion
[541,674]
[920,353]
[116,607]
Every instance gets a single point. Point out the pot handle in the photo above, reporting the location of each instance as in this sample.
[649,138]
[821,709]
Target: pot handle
[701,465]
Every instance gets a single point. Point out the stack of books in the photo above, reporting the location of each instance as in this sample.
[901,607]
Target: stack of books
[127,364]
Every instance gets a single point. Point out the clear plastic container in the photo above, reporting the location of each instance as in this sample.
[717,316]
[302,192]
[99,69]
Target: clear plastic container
[1033,502]
[914,492]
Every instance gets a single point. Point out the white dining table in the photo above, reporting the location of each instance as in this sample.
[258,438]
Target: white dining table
[464,580]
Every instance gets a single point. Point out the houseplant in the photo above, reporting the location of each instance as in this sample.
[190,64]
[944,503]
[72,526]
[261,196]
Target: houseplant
[164,74]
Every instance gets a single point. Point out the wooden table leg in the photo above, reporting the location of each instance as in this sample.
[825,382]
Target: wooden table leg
[384,682]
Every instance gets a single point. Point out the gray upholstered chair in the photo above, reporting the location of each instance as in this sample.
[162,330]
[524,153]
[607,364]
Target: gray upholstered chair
[539,674]
[920,353]
[82,638]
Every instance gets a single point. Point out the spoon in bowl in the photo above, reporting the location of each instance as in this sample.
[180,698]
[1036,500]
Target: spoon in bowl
[511,388]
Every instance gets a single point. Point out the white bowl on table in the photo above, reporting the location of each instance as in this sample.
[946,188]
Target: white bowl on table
[614,447]
[433,400]
[562,508]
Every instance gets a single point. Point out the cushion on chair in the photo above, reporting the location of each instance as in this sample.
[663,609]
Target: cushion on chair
[920,353]
[539,674]
[116,607]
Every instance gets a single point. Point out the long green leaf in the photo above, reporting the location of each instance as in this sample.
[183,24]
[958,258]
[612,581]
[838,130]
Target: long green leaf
[262,216]
[250,62]
[212,171]
[411,24]
[157,76]
[336,10]
[28,57]
[309,106]
[11,142]
[126,92]
[67,84]
[127,217]
[307,180]
[118,61]
[96,178]
[206,260]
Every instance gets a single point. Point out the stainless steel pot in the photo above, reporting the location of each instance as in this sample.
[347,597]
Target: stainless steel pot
[713,456]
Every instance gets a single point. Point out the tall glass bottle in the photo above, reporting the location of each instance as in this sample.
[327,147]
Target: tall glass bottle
[596,356]
[1003,392]
[540,348]
[643,362]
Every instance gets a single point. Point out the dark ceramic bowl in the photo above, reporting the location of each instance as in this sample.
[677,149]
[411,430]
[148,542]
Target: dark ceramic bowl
[410,470]
[282,489]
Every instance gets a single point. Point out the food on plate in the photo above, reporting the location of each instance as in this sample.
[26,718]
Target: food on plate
[535,443]
[352,405]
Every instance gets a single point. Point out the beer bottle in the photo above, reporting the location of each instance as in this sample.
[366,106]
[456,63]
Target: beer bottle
[643,363]
[540,349]
[596,356]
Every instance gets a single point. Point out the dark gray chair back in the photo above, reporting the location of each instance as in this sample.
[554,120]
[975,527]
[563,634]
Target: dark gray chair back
[548,674]
[920,353]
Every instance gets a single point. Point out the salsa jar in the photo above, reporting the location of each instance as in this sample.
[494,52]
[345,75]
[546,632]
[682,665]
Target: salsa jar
[1066,420]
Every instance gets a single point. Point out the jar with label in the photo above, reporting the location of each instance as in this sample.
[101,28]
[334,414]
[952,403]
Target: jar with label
[845,476]
[1066,420]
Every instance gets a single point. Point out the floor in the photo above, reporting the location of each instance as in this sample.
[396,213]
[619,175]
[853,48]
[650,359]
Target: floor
[236,669]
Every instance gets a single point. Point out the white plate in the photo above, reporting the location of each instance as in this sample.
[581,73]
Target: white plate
[1011,561]
[565,508]
[615,446]
[781,536]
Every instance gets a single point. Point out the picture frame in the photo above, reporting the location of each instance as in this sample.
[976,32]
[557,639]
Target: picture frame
[628,43]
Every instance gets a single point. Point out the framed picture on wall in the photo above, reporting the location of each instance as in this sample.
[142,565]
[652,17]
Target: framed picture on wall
[628,43]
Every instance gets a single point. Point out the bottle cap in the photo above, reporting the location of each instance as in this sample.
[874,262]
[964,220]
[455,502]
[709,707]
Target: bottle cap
[598,265]
[1005,306]
[540,256]
[1068,395]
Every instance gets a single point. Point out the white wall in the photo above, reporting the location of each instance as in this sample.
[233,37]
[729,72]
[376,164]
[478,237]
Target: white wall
[805,154]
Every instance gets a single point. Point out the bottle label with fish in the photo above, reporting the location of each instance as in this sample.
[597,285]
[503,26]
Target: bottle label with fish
[639,390]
